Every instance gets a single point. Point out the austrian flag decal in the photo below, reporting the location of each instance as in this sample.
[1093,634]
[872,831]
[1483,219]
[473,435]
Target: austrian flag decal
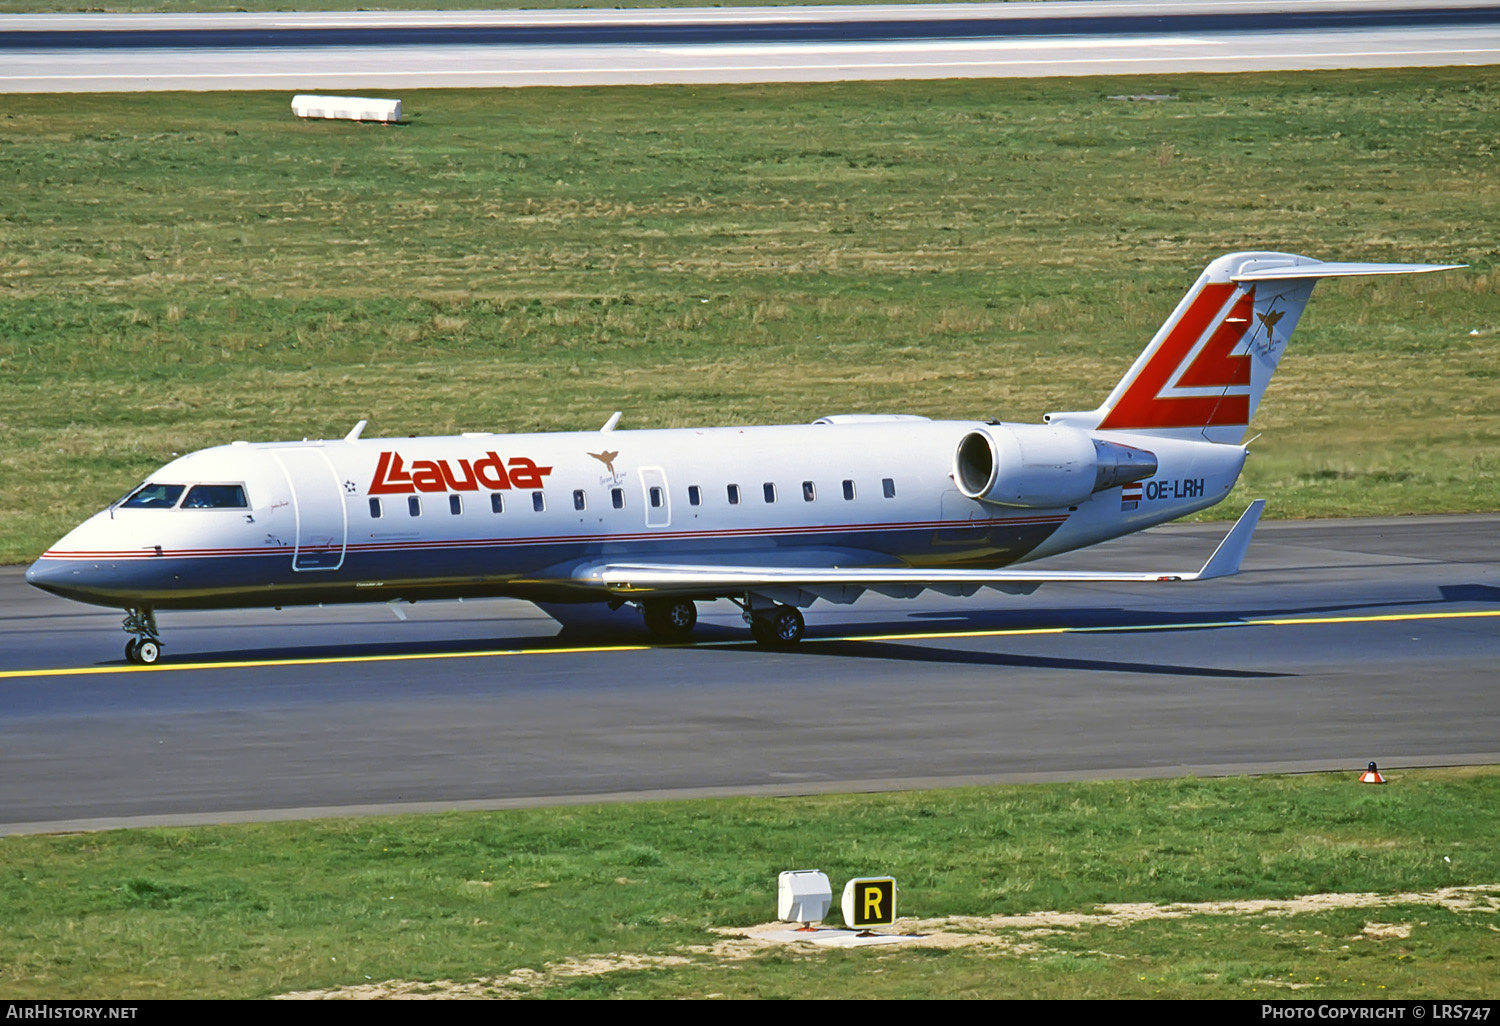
[393,477]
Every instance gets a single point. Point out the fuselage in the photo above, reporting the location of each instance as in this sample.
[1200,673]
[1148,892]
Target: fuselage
[367,519]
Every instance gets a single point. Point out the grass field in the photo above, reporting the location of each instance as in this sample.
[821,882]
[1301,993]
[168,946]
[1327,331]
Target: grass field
[181,270]
[177,271]
[630,900]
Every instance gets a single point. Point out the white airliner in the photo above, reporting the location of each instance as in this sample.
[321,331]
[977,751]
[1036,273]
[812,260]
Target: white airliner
[772,518]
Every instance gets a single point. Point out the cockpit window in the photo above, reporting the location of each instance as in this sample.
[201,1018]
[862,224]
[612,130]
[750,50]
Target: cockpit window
[215,496]
[154,496]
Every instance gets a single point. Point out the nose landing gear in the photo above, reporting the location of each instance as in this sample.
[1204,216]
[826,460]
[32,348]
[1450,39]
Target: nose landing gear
[144,646]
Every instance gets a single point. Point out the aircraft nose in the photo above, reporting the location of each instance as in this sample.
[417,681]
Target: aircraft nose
[66,577]
[39,574]
[46,574]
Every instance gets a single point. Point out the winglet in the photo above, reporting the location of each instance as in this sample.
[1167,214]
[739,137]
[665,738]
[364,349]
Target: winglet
[1227,557]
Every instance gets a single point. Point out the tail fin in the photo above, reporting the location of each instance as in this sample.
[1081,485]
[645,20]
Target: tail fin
[1206,369]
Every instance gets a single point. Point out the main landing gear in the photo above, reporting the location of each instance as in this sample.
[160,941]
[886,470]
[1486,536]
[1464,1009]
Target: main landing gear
[144,646]
[778,627]
[669,619]
[772,625]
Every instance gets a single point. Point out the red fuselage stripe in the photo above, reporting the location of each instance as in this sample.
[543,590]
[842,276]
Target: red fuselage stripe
[412,544]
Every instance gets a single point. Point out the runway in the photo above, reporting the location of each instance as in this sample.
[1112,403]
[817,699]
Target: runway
[1342,642]
[371,50]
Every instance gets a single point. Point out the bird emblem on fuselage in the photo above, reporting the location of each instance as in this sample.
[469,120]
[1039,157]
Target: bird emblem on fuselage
[607,458]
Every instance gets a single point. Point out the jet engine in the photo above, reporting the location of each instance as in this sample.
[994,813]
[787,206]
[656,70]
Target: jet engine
[1041,466]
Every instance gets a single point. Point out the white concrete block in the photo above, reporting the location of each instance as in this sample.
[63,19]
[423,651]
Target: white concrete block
[348,108]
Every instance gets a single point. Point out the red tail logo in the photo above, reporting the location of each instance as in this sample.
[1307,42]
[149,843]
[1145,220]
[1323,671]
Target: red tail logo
[1171,391]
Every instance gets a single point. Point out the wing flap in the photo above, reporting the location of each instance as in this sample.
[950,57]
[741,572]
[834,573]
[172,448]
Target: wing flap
[902,582]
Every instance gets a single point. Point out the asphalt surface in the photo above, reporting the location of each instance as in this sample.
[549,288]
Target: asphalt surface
[373,50]
[1011,21]
[1342,642]
[1385,644]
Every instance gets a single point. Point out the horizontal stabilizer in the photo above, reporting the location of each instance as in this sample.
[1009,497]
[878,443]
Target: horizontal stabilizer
[1324,269]
[700,579]
[1205,371]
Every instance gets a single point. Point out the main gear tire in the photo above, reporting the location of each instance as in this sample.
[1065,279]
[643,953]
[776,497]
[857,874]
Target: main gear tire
[670,620]
[782,628]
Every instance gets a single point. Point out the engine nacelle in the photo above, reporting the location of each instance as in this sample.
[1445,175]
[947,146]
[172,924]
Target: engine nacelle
[1040,466]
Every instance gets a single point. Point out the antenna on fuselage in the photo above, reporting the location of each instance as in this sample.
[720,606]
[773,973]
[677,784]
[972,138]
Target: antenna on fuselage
[609,425]
[353,436]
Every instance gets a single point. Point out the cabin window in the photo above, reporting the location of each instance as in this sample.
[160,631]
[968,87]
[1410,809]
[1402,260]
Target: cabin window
[455,504]
[888,484]
[538,501]
[695,495]
[579,501]
[734,495]
[155,496]
[658,497]
[216,496]
[617,498]
[769,490]
[849,491]
[497,502]
[809,493]
[374,508]
[413,506]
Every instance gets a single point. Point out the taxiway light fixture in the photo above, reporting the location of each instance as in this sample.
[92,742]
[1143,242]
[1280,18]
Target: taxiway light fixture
[1371,776]
[869,901]
[347,108]
[803,896]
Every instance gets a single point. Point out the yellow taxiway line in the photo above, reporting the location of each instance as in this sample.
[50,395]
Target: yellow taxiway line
[1008,632]
[1288,621]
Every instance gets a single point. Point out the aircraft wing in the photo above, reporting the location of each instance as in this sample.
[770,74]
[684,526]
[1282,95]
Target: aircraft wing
[826,582]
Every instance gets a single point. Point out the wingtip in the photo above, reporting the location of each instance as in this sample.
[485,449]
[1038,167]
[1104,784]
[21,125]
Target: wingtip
[1231,551]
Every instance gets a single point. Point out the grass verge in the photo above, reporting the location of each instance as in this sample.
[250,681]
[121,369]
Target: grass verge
[634,900]
[179,270]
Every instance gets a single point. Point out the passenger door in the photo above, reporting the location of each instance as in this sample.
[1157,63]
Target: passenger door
[318,500]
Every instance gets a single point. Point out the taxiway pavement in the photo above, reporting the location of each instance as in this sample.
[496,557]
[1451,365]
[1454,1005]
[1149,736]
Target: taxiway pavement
[1342,642]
